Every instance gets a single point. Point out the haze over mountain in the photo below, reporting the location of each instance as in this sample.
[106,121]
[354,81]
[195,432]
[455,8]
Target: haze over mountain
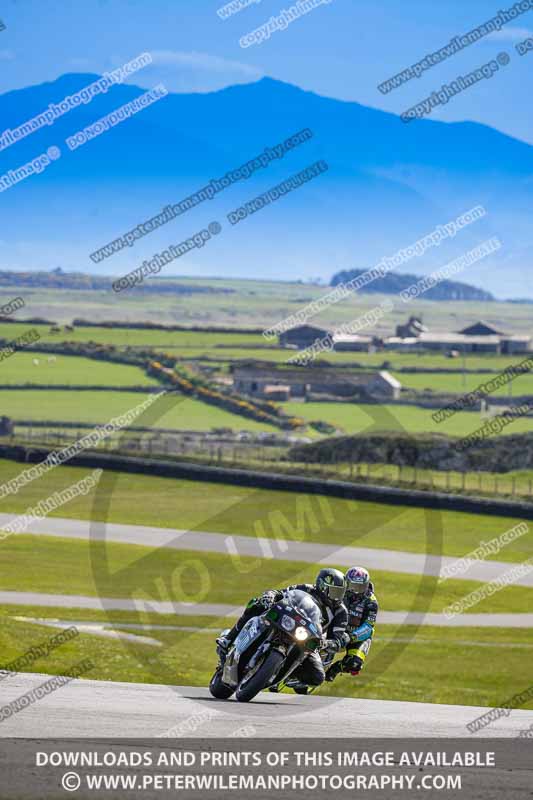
[387,185]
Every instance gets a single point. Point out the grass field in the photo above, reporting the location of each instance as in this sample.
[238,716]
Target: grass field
[122,337]
[354,418]
[70,566]
[232,346]
[170,503]
[418,665]
[41,368]
[100,406]
[459,384]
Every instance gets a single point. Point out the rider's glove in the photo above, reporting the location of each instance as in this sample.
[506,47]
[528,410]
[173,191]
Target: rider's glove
[332,645]
[333,671]
[268,598]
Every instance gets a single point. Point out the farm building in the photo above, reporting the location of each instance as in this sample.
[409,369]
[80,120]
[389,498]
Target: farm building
[481,329]
[343,342]
[413,327]
[477,338]
[508,343]
[303,336]
[304,383]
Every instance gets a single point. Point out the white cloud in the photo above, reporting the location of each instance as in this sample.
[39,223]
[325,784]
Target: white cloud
[194,71]
[511,35]
[203,61]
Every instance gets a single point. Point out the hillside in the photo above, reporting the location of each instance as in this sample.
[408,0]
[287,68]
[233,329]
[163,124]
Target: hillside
[57,279]
[237,304]
[394,282]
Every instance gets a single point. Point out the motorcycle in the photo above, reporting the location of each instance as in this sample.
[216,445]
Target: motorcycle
[269,648]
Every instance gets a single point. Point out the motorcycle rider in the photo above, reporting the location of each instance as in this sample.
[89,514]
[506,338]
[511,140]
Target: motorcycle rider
[362,606]
[328,592]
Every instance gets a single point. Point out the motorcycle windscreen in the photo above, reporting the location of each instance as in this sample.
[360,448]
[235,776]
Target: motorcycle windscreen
[306,606]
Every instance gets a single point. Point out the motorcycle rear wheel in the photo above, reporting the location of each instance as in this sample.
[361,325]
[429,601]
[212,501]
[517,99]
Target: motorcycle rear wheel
[218,689]
[248,689]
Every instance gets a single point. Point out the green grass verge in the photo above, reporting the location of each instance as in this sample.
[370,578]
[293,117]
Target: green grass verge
[70,566]
[478,667]
[172,503]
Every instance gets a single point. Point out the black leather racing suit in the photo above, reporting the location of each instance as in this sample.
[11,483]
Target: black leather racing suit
[334,622]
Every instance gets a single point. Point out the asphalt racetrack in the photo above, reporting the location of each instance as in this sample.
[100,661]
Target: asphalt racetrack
[86,708]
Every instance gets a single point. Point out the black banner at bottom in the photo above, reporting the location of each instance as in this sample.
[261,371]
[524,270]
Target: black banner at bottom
[198,769]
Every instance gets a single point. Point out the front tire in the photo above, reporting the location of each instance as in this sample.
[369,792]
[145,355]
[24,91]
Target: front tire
[248,689]
[218,689]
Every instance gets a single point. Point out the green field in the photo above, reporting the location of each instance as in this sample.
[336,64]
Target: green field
[171,503]
[44,368]
[99,407]
[459,384]
[233,346]
[122,337]
[70,566]
[427,664]
[353,418]
[389,360]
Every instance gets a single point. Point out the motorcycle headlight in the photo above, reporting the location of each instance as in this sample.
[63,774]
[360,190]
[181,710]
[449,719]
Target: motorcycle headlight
[287,622]
[301,634]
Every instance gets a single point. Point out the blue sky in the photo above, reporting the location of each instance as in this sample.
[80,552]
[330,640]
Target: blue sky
[342,49]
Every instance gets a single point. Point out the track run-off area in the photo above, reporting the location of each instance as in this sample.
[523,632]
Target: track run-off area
[252,546]
[91,708]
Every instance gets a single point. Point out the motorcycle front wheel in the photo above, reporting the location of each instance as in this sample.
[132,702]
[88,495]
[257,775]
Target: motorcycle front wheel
[248,688]
[218,689]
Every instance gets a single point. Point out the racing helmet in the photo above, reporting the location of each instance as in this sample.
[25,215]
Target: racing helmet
[331,586]
[357,581]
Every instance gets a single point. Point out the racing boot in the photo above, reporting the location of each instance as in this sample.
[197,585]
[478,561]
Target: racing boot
[297,686]
[224,642]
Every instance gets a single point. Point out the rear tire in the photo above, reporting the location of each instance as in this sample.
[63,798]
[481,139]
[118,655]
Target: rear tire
[218,689]
[247,691]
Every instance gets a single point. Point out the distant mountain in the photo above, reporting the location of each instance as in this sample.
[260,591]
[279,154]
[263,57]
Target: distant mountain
[394,282]
[387,185]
